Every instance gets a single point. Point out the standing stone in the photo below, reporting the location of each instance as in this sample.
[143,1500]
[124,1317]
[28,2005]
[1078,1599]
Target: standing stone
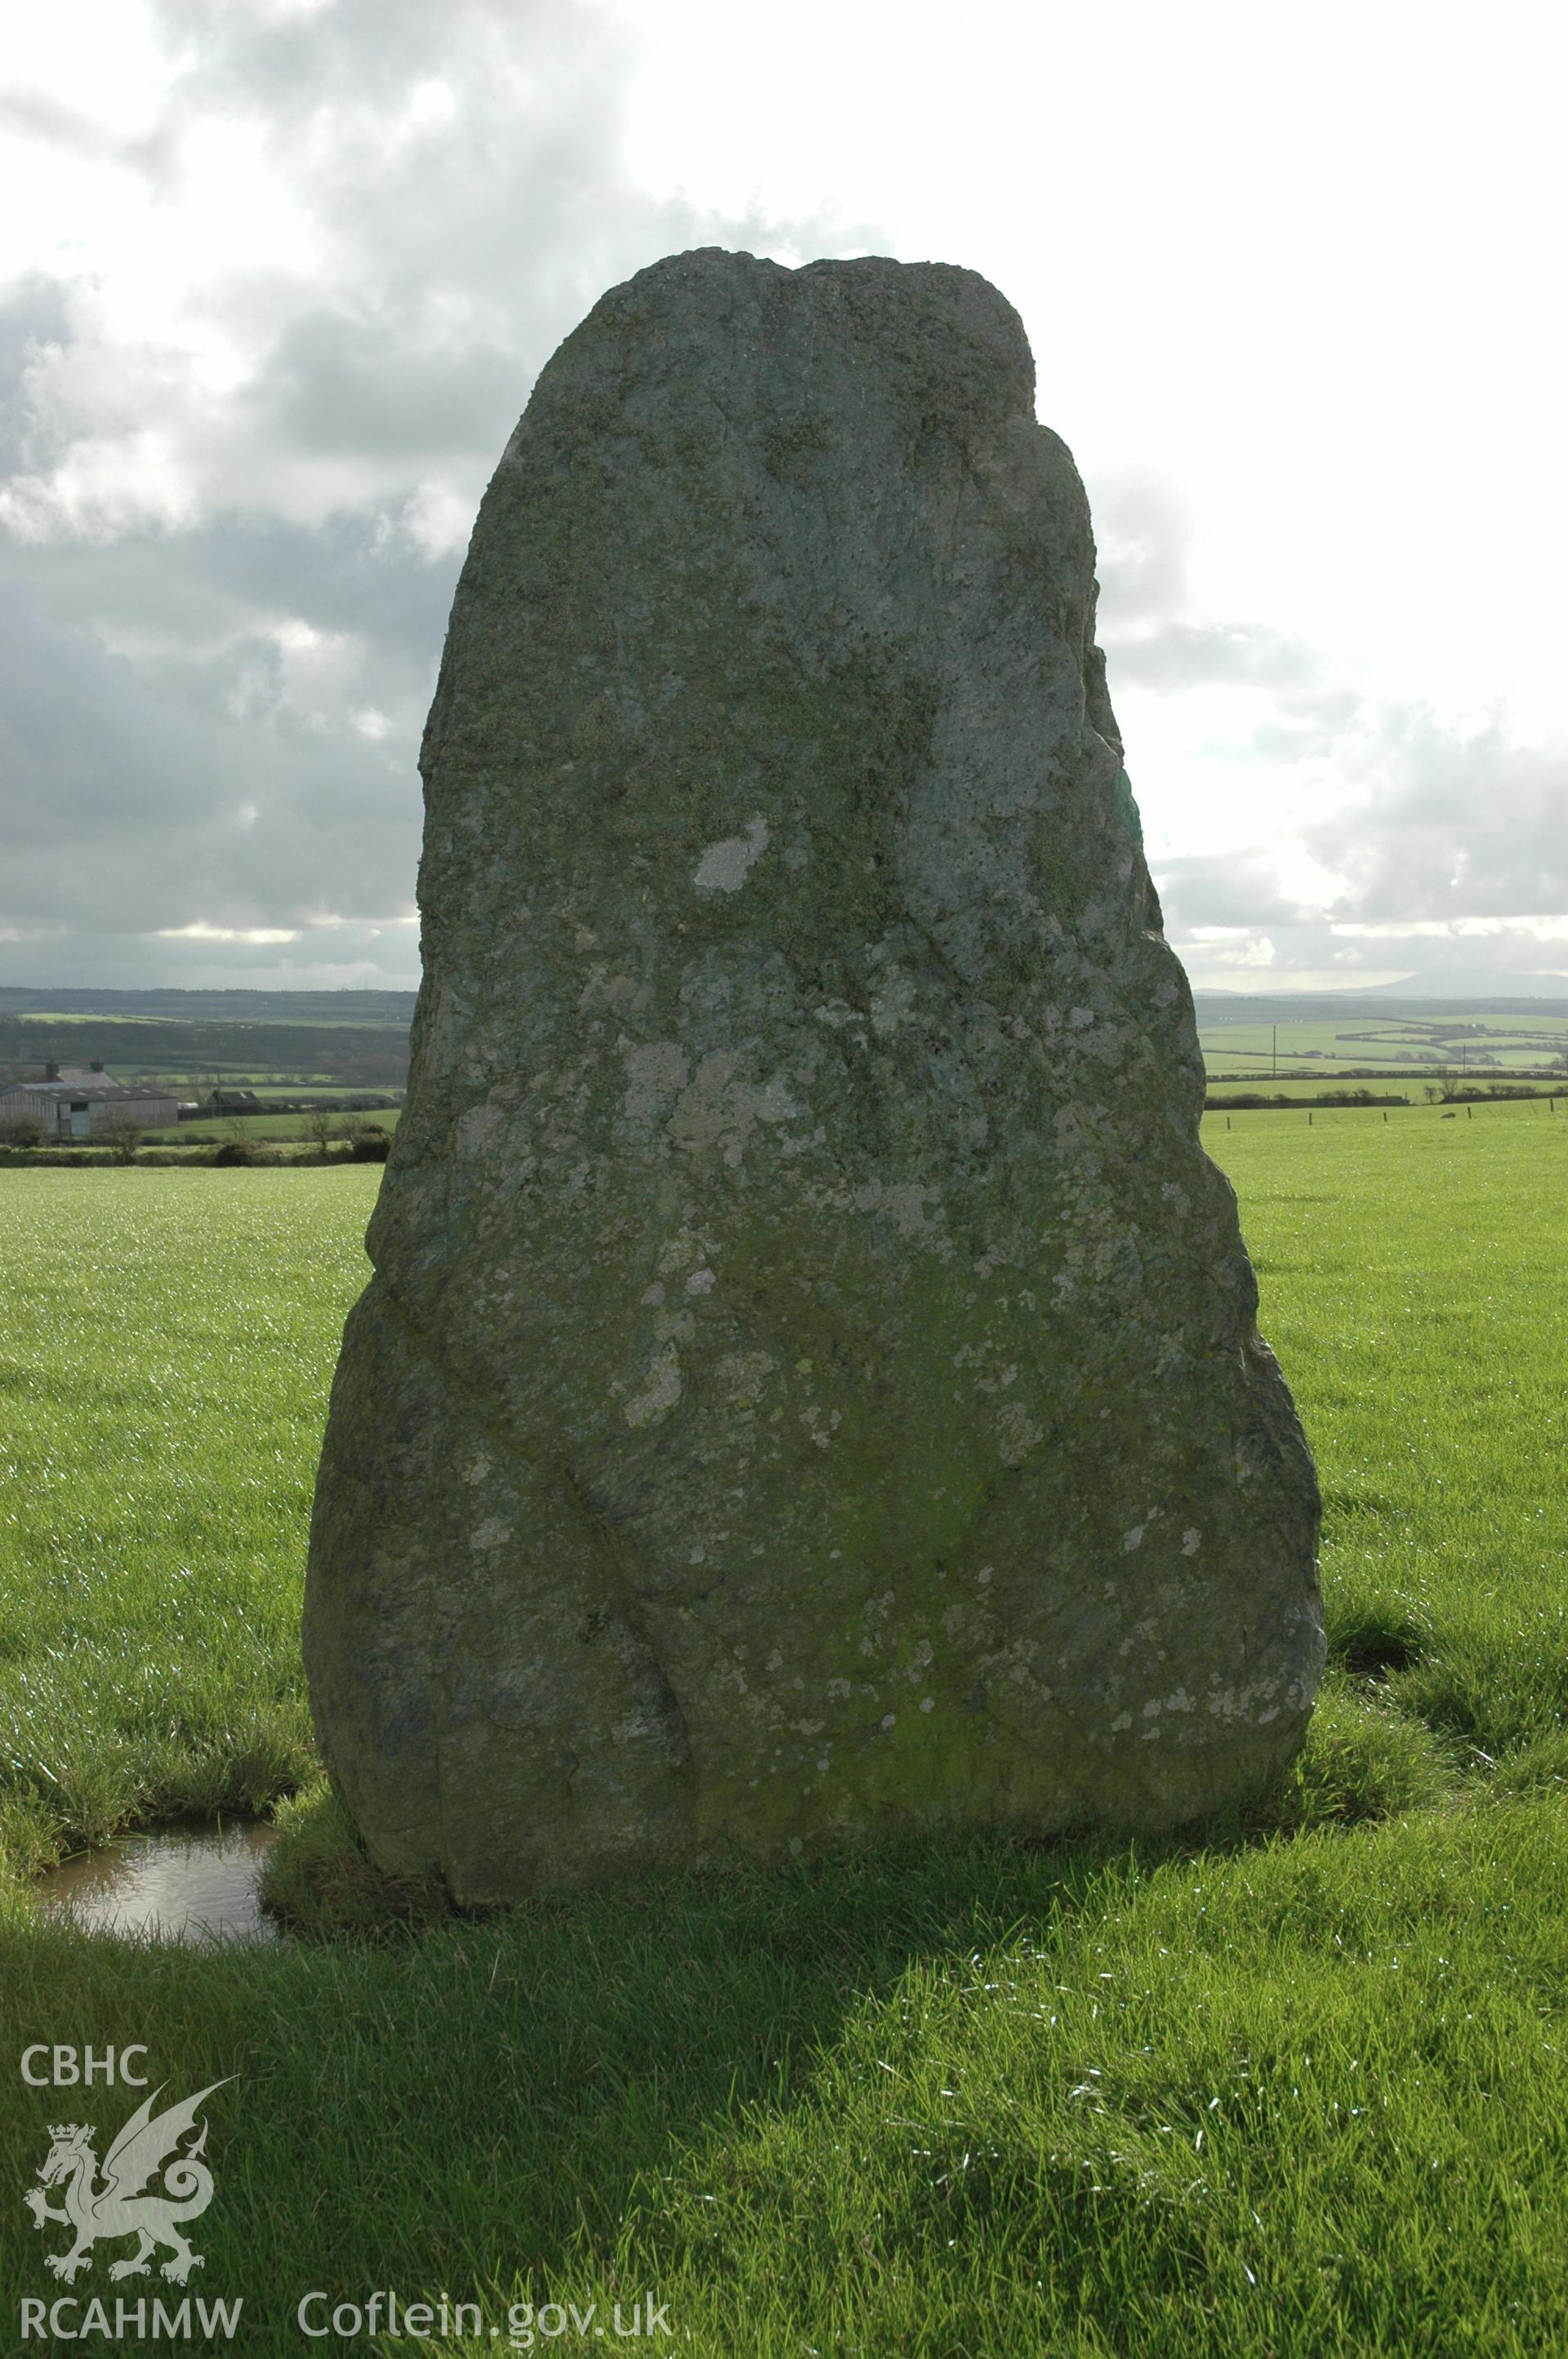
[810,1387]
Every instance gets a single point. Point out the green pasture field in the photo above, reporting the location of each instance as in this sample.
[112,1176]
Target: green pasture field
[268,1126]
[1322,1048]
[194,1081]
[1408,1093]
[1288,2088]
[276,1047]
[1414,1095]
[265,1084]
[1294,1085]
[163,1148]
[287,1085]
[358,1041]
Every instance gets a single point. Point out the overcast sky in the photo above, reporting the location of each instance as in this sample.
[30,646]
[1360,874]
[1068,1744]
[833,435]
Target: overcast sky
[276,277]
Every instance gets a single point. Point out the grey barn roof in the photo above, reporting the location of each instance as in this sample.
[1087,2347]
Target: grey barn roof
[86,1090]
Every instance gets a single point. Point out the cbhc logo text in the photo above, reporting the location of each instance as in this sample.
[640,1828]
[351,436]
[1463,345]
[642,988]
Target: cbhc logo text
[70,2067]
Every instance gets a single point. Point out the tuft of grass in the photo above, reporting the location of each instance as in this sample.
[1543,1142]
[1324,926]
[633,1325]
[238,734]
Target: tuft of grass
[1363,1759]
[1530,1768]
[321,1884]
[1369,1635]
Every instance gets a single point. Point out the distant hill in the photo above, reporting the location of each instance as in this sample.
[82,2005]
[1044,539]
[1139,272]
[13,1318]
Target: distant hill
[1454,985]
[378,1007]
[357,1038]
[249,1028]
[1392,1000]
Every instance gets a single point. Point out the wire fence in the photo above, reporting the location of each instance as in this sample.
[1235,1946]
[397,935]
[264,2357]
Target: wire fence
[1336,1117]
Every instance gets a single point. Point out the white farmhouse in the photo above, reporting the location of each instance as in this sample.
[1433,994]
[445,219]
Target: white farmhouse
[72,1104]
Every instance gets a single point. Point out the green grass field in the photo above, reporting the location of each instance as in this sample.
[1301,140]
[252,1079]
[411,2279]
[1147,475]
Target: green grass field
[1416,1100]
[1321,1049]
[268,1126]
[1282,2090]
[1413,1082]
[290,1043]
[1295,1085]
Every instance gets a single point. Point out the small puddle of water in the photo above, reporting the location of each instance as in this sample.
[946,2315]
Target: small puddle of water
[183,1884]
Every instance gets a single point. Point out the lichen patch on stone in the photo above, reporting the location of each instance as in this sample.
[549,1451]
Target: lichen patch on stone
[725,865]
[660,1394]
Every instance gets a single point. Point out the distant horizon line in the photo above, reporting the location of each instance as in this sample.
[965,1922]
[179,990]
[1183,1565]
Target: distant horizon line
[1459,992]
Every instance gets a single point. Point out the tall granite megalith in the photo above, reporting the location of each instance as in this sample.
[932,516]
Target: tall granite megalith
[810,1386]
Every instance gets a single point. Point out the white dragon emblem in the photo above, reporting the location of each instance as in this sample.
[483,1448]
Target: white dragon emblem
[145,2147]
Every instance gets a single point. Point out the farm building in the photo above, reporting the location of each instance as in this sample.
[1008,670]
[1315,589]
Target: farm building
[72,1104]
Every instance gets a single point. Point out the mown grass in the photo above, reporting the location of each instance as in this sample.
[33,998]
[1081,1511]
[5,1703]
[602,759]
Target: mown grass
[167,1341]
[1289,2087]
[1413,1284]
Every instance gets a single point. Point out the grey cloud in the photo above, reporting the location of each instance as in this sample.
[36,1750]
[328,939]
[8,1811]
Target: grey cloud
[1151,642]
[1423,822]
[358,573]
[1240,889]
[33,313]
[1421,819]
[325,958]
[333,382]
[456,256]
[1447,822]
[358,51]
[138,801]
[1142,535]
[1199,654]
[514,212]
[213,771]
[36,116]
[1461,965]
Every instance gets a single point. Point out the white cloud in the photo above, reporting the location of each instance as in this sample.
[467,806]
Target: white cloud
[202,932]
[276,277]
[313,262]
